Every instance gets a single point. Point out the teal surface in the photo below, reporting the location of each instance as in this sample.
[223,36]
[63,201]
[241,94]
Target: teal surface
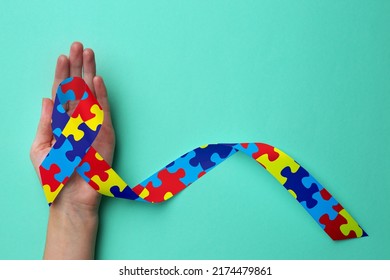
[309,77]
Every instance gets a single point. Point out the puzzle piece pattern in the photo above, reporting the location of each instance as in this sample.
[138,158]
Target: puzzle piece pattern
[73,150]
[203,155]
[294,183]
[170,185]
[192,171]
[74,134]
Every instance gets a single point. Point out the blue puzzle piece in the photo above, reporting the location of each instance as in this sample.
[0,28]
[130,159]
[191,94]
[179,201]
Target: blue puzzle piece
[191,172]
[156,182]
[250,150]
[85,167]
[217,159]
[60,109]
[203,155]
[294,183]
[308,181]
[64,97]
[85,96]
[57,155]
[89,134]
[66,81]
[59,119]
[127,193]
[81,147]
[57,132]
[322,207]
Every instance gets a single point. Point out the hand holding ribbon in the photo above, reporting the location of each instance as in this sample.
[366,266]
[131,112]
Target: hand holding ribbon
[73,151]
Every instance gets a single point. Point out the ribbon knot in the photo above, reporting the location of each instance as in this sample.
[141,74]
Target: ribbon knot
[73,151]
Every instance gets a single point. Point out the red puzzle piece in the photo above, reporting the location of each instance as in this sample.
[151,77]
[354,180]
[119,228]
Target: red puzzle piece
[98,167]
[265,149]
[48,176]
[170,183]
[77,85]
[84,110]
[332,227]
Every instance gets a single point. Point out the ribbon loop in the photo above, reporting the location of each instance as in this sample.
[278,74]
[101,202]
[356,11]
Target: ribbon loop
[73,150]
[74,134]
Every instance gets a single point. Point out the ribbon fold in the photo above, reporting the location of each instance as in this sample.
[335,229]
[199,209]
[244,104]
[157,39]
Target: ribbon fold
[73,151]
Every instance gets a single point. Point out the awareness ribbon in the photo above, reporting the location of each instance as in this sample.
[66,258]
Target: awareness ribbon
[73,150]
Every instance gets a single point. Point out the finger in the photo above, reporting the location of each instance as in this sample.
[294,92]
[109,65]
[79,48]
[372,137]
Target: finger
[61,73]
[76,65]
[76,59]
[44,133]
[89,67]
[101,96]
[106,146]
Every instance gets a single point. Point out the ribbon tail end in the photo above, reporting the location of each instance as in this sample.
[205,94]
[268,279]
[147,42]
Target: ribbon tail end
[51,194]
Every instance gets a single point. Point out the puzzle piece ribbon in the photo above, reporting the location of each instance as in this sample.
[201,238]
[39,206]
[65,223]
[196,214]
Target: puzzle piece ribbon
[73,151]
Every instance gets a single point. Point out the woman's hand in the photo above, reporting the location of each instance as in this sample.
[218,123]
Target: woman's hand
[74,214]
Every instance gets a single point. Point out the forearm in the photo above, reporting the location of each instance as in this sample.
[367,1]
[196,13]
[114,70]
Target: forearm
[71,232]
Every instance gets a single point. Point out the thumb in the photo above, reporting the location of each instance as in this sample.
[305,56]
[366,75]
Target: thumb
[44,133]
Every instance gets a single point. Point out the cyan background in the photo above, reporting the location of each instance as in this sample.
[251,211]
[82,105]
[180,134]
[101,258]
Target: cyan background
[310,77]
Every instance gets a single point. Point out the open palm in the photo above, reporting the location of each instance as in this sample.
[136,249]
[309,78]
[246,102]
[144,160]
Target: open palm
[81,63]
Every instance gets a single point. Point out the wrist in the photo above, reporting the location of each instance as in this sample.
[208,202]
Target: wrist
[75,210]
[78,197]
[71,232]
